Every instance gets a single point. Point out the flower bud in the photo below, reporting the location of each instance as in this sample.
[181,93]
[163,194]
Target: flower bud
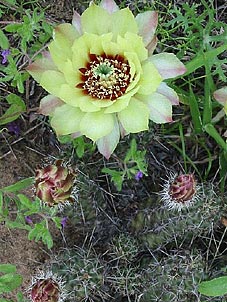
[179,191]
[45,290]
[183,188]
[54,184]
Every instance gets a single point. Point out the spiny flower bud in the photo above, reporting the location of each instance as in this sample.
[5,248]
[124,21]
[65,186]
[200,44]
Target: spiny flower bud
[183,188]
[45,290]
[54,184]
[179,191]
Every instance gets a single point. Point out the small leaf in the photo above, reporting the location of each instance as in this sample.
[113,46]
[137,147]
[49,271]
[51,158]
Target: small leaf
[117,177]
[214,288]
[7,268]
[12,28]
[14,111]
[47,239]
[17,225]
[25,201]
[41,232]
[79,145]
[18,186]
[4,42]
[15,100]
[9,282]
[57,221]
[20,297]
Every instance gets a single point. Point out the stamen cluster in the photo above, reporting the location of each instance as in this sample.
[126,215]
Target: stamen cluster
[105,77]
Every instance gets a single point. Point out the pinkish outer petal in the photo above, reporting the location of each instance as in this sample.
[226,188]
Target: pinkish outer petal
[225,134]
[37,68]
[123,132]
[109,5]
[159,106]
[107,144]
[65,34]
[66,120]
[76,134]
[147,23]
[165,90]
[160,109]
[168,65]
[220,95]
[152,45]
[48,104]
[76,22]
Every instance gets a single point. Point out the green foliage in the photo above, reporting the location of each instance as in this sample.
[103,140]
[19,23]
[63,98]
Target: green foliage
[40,231]
[4,42]
[18,186]
[194,31]
[23,208]
[30,34]
[133,162]
[17,107]
[214,288]
[9,279]
[80,144]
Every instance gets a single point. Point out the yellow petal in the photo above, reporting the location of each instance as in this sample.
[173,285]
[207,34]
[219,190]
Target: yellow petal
[95,20]
[135,117]
[96,125]
[52,81]
[150,79]
[59,55]
[70,95]
[37,68]
[123,21]
[66,119]
[133,43]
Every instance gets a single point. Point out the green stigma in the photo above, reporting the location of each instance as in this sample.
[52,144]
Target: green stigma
[104,71]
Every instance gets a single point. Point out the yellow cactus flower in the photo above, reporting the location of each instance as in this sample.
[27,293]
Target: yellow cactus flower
[102,77]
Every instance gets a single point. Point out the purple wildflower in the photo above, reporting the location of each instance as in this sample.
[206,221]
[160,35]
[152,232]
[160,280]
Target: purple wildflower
[14,128]
[64,222]
[138,175]
[28,219]
[4,54]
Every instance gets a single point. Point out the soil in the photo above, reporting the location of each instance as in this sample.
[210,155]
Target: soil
[15,248]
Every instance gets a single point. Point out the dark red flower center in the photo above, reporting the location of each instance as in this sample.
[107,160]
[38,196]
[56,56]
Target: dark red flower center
[105,77]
